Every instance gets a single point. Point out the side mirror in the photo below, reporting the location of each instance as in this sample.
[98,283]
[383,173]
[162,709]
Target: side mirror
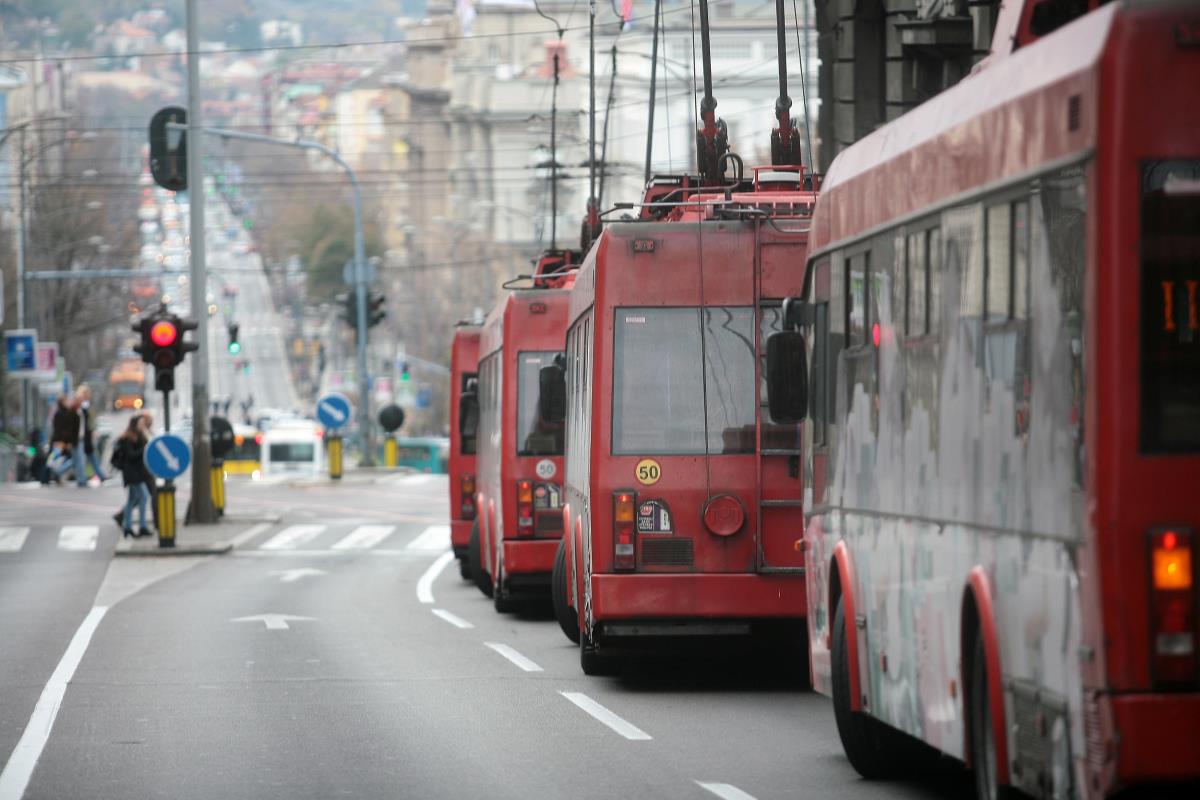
[468,413]
[787,376]
[552,394]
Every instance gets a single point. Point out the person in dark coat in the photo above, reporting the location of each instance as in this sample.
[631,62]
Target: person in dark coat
[127,457]
[64,436]
[87,438]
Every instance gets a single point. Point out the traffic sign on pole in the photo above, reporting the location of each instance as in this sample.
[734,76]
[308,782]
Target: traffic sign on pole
[20,351]
[333,411]
[167,456]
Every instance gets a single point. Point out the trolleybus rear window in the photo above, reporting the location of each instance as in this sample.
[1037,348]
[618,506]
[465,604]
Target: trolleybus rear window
[1171,306]
[292,451]
[670,364]
[535,438]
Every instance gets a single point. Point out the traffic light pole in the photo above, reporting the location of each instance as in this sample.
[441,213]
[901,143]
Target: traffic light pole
[201,504]
[360,264]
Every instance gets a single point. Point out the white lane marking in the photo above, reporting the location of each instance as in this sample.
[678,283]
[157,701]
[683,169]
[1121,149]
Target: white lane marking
[425,585]
[453,619]
[364,537]
[249,534]
[274,622]
[513,656]
[19,769]
[12,539]
[292,537]
[725,791]
[435,538]
[78,537]
[293,575]
[602,714]
[415,480]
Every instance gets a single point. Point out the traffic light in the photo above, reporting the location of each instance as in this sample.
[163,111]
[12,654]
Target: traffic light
[404,370]
[375,312]
[235,346]
[349,305]
[162,345]
[168,149]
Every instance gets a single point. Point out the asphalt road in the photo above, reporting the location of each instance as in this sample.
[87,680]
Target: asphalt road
[336,653]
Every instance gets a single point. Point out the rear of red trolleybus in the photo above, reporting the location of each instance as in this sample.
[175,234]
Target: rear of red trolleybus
[464,424]
[519,498]
[1005,416]
[684,499]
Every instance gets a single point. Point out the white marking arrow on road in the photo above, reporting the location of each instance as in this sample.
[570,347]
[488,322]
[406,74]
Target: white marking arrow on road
[274,622]
[165,452]
[293,575]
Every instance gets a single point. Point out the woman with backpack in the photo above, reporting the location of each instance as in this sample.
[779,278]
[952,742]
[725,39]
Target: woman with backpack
[127,457]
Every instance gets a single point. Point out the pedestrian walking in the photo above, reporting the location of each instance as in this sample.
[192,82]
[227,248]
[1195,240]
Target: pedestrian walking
[87,438]
[65,437]
[127,457]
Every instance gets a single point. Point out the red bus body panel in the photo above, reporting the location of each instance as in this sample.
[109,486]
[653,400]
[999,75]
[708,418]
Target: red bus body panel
[464,362]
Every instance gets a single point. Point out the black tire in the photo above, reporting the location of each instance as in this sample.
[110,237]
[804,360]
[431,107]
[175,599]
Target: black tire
[464,568]
[568,620]
[502,601]
[983,746]
[592,662]
[874,750]
[482,580]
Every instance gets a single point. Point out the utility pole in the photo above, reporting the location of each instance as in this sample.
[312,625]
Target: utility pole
[202,504]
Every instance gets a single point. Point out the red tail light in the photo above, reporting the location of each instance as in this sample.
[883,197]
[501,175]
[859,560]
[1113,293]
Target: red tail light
[1173,606]
[624,549]
[466,484]
[524,508]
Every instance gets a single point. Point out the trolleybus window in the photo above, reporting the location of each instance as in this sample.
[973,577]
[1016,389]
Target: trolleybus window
[660,389]
[534,438]
[292,451]
[1171,306]
[466,444]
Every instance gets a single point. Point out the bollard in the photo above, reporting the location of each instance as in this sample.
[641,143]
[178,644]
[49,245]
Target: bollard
[391,452]
[166,514]
[218,486]
[335,457]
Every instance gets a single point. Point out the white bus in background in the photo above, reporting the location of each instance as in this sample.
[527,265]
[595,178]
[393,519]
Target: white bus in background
[292,448]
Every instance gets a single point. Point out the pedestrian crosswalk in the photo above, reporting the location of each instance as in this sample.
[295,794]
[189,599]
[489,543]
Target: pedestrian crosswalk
[69,538]
[350,538]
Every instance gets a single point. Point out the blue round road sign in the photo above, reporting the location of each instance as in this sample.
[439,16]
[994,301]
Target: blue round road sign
[167,456]
[333,410]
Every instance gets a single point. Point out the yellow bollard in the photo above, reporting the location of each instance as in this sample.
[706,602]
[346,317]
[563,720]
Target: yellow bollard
[391,452]
[218,486]
[166,515]
[335,457]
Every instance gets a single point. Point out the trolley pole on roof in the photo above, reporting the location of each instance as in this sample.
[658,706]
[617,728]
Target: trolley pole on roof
[360,271]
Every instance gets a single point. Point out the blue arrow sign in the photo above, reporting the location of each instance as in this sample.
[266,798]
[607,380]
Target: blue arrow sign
[167,456]
[333,410]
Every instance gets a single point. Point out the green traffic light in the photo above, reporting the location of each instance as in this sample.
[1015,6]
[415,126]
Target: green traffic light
[247,223]
[234,348]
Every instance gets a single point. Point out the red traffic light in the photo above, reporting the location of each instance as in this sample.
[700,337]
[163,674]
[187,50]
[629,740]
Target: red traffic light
[164,333]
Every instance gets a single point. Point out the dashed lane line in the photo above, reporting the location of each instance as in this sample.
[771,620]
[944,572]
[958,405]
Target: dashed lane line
[725,791]
[453,619]
[364,537]
[513,656]
[425,584]
[603,715]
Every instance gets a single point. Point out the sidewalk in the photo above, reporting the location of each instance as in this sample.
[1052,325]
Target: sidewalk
[200,540]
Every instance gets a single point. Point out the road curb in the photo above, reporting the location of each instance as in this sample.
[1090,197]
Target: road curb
[214,549]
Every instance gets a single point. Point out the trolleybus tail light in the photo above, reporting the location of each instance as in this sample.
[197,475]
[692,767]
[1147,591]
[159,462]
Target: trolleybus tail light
[624,550]
[524,508]
[466,483]
[1173,605]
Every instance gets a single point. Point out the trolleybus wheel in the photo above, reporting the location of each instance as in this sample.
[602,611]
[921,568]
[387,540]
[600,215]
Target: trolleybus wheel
[502,600]
[567,619]
[592,662]
[983,740]
[475,562]
[464,568]
[873,749]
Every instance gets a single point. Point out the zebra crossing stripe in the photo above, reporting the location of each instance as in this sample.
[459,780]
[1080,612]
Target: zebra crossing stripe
[292,537]
[364,537]
[78,537]
[435,538]
[12,539]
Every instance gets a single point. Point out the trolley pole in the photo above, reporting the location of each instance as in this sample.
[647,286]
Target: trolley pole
[201,505]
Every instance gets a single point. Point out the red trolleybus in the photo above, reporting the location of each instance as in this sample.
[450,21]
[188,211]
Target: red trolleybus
[1005,416]
[683,500]
[519,497]
[464,421]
